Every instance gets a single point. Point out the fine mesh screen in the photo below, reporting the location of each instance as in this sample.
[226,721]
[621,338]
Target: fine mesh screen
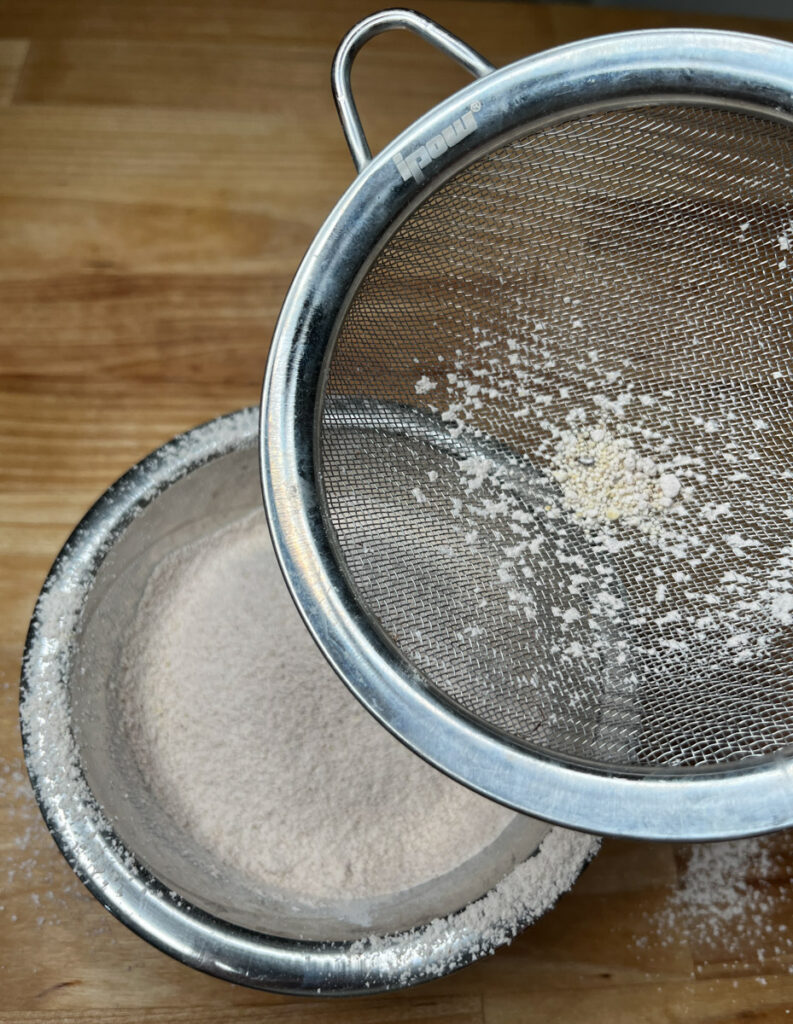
[556,438]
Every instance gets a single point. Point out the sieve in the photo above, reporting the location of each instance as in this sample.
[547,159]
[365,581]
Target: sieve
[526,430]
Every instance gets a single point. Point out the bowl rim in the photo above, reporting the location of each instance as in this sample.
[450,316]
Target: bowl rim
[110,870]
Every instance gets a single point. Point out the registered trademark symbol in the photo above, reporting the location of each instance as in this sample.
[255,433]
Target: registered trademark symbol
[476,106]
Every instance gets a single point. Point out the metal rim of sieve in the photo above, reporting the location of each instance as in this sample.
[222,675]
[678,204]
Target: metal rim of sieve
[725,70]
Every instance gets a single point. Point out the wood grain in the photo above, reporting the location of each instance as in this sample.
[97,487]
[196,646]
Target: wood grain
[12,59]
[162,169]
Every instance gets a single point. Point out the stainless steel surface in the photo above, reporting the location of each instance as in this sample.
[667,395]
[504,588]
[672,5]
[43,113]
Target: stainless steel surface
[617,170]
[110,826]
[384,21]
[432,578]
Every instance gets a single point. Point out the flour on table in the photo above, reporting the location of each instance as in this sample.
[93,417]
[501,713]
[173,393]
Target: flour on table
[729,899]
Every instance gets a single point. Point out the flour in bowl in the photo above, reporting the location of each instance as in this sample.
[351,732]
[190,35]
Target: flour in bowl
[258,750]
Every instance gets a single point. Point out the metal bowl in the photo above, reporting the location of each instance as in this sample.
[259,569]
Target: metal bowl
[121,842]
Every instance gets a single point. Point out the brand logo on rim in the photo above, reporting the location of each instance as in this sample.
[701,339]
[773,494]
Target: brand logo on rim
[411,165]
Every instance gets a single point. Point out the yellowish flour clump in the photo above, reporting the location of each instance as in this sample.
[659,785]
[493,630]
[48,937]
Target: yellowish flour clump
[604,479]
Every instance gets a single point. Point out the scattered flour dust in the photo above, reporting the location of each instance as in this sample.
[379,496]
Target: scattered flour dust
[37,889]
[261,753]
[676,495]
[32,871]
[730,899]
[481,927]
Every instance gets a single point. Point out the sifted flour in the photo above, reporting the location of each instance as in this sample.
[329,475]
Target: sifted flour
[259,751]
[732,897]
[56,766]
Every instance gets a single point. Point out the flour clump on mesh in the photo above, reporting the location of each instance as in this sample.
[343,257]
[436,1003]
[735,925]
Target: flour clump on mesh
[603,478]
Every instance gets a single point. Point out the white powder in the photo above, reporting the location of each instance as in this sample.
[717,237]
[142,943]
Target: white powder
[781,607]
[648,473]
[259,751]
[604,479]
[482,927]
[32,890]
[425,384]
[528,891]
[728,901]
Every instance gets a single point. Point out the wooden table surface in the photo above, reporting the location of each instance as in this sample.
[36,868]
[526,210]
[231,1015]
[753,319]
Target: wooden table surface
[162,168]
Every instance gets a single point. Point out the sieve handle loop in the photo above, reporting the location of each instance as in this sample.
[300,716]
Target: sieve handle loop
[365,30]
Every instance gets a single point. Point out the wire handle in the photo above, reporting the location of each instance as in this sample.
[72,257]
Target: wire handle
[365,30]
